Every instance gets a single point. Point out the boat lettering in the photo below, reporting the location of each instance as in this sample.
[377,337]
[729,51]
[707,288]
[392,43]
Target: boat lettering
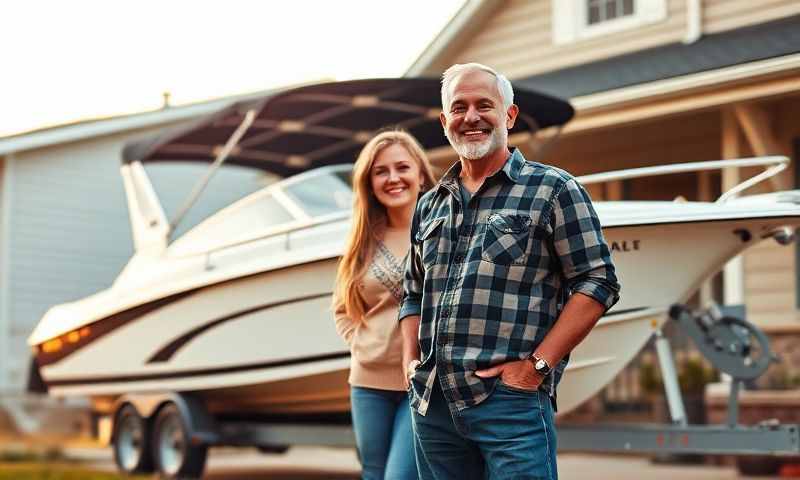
[625,246]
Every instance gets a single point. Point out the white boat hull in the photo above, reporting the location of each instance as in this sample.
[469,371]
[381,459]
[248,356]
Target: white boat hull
[274,348]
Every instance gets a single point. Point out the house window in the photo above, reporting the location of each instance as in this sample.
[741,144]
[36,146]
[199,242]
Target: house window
[574,20]
[605,10]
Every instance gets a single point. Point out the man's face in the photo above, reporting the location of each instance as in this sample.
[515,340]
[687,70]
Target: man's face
[475,122]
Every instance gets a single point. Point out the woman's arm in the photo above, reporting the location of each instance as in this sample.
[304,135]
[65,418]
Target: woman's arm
[345,326]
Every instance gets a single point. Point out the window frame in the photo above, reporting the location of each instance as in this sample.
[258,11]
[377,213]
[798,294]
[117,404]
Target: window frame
[570,20]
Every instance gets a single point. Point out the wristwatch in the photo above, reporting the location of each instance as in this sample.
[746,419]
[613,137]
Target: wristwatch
[540,365]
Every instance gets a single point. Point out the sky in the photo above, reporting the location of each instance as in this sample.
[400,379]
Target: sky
[63,61]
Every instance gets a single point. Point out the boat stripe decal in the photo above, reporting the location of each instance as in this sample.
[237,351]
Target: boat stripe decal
[108,324]
[169,351]
[104,326]
[197,373]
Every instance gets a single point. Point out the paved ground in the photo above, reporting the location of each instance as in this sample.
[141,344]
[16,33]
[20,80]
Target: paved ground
[340,464]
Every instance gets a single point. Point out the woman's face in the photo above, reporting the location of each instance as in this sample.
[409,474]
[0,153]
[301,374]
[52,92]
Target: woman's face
[395,177]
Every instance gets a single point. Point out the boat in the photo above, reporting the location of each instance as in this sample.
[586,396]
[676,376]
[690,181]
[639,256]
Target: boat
[236,311]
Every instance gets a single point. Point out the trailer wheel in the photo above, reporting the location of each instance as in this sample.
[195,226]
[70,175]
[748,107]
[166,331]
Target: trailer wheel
[758,465]
[132,452]
[273,449]
[174,455]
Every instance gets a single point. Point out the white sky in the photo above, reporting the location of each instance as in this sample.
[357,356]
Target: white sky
[62,61]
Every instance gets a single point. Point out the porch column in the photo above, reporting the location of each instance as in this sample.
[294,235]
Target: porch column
[755,123]
[614,190]
[733,274]
[705,194]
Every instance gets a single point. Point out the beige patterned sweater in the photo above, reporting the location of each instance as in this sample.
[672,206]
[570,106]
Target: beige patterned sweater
[376,345]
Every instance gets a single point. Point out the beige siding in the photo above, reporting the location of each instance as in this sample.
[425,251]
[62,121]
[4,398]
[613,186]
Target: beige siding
[720,15]
[770,283]
[518,39]
[770,269]
[692,137]
[4,310]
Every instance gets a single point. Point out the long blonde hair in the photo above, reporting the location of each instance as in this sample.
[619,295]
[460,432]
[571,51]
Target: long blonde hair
[368,214]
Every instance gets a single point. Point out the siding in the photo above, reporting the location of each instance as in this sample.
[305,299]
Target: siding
[692,137]
[69,228]
[4,334]
[770,279]
[518,39]
[771,269]
[721,15]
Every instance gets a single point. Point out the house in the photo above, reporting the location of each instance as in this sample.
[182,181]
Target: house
[64,230]
[657,82]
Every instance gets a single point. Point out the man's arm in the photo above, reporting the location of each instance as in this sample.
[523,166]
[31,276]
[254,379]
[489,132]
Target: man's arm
[411,305]
[589,276]
[409,329]
[579,316]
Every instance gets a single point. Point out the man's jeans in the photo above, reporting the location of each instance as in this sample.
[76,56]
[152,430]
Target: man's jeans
[510,435]
[382,424]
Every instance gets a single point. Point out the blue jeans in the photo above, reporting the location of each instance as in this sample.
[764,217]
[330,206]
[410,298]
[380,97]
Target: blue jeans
[510,435]
[382,424]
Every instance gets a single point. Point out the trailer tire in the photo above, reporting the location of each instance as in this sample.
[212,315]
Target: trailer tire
[273,449]
[174,454]
[758,465]
[131,442]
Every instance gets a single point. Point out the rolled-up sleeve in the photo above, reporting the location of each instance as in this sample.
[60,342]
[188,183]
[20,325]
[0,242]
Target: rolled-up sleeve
[581,248]
[413,277]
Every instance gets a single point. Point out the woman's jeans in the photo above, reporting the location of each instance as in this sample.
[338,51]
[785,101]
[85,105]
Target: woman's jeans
[382,424]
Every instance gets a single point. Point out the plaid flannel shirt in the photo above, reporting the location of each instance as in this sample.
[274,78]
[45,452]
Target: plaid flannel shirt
[490,278]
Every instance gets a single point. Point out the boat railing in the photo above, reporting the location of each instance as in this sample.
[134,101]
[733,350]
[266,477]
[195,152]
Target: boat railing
[775,165]
[285,231]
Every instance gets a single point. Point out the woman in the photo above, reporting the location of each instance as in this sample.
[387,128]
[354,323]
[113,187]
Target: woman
[389,174]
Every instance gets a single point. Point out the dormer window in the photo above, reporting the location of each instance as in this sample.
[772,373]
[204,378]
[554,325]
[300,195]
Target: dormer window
[574,20]
[605,10]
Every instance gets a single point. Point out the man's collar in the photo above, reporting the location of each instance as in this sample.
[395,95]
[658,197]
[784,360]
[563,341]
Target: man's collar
[450,177]
[514,164]
[511,168]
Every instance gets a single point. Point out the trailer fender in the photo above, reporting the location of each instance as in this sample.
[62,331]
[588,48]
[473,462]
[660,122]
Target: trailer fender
[200,424]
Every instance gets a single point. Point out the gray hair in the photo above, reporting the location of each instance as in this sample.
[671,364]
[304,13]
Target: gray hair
[503,85]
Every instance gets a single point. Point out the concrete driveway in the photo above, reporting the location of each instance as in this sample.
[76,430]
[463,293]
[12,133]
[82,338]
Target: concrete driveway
[341,464]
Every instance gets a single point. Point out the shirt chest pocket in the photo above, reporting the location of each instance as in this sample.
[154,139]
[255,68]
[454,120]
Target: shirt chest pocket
[428,238]
[506,239]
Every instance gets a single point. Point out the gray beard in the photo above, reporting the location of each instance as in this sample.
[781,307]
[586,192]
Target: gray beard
[473,151]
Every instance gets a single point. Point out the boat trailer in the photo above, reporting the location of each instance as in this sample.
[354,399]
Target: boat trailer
[734,347]
[731,344]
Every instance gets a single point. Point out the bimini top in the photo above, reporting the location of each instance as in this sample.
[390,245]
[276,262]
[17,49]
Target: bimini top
[327,124]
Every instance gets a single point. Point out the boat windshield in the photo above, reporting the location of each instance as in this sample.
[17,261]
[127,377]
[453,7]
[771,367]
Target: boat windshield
[319,195]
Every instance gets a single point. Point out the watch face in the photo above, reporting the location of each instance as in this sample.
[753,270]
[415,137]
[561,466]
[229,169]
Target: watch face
[541,365]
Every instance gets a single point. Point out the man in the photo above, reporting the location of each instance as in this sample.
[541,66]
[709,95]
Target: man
[508,272]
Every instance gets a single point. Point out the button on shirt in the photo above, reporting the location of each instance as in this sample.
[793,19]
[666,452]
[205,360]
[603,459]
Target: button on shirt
[490,277]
